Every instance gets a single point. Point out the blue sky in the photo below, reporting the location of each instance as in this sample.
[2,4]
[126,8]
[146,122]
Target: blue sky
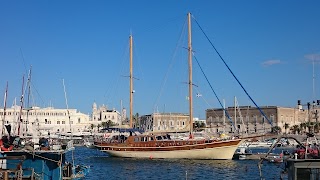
[267,44]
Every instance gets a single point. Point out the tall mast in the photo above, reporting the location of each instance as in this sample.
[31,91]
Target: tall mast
[121,114]
[131,81]
[21,106]
[190,72]
[28,100]
[235,113]
[313,78]
[4,109]
[65,95]
[224,116]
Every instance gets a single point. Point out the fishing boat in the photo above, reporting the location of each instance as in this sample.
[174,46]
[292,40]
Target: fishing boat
[35,157]
[163,146]
[23,161]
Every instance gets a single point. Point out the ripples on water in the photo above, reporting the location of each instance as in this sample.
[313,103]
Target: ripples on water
[104,167]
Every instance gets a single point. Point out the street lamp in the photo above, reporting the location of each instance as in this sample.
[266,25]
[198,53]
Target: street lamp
[314,112]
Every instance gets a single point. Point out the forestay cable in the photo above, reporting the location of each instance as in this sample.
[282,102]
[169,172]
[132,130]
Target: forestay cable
[232,72]
[224,109]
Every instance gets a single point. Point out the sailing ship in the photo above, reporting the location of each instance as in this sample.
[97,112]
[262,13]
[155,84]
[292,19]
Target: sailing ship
[35,157]
[163,146]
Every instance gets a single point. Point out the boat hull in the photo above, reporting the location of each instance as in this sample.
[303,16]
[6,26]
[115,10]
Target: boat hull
[214,150]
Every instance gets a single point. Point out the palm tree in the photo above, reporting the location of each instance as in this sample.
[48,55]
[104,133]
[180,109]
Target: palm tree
[276,129]
[136,120]
[104,124]
[303,126]
[295,129]
[316,127]
[109,123]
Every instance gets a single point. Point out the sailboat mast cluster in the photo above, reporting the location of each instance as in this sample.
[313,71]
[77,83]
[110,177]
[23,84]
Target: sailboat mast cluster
[166,145]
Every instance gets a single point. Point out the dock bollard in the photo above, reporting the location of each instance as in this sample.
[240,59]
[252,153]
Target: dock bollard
[295,156]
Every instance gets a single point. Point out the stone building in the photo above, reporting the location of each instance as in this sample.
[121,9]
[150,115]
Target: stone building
[165,122]
[103,114]
[45,120]
[250,119]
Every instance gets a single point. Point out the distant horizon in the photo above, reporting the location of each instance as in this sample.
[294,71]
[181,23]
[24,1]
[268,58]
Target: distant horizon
[272,47]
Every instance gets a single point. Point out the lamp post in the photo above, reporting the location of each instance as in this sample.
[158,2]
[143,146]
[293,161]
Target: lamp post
[311,108]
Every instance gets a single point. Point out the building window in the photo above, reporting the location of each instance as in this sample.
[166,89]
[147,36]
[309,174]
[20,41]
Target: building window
[271,118]
[63,122]
[78,120]
[46,121]
[58,122]
[247,119]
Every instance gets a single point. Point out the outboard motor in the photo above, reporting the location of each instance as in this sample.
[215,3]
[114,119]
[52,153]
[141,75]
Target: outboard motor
[16,142]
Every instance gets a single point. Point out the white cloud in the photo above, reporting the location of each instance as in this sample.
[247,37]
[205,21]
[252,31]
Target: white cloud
[271,62]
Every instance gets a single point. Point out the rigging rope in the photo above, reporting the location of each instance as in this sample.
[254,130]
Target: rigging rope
[164,80]
[42,157]
[224,109]
[232,72]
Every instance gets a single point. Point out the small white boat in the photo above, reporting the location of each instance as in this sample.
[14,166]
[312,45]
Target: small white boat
[89,143]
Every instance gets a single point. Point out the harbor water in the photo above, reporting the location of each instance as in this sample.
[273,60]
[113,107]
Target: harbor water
[104,167]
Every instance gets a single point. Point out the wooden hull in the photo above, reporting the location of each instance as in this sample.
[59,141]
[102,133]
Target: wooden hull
[212,150]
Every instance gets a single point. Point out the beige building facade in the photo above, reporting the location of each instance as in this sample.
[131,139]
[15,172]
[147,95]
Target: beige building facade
[250,119]
[165,122]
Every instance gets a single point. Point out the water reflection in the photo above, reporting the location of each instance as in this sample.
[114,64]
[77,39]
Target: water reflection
[104,167]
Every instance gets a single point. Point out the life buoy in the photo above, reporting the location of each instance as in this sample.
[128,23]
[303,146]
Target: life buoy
[10,148]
